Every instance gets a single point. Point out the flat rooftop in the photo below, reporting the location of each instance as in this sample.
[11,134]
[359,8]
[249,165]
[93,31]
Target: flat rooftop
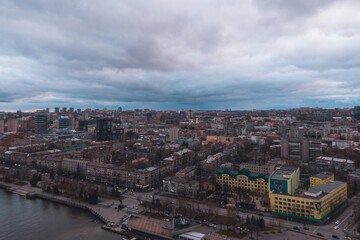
[322,175]
[325,188]
[281,173]
[317,192]
[332,159]
[151,226]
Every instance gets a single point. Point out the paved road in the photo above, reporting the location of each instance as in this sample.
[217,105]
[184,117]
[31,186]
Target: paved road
[327,230]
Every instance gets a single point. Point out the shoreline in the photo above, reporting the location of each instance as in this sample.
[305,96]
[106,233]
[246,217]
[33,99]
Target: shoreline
[92,209]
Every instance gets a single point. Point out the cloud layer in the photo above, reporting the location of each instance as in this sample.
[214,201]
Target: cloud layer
[179,54]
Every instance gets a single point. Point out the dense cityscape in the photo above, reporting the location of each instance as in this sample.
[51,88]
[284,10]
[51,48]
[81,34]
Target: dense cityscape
[191,174]
[179,120]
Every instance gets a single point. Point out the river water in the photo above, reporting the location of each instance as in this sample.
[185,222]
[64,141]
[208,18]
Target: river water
[37,219]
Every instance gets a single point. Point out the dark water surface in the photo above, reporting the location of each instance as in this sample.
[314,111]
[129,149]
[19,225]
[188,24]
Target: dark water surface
[21,218]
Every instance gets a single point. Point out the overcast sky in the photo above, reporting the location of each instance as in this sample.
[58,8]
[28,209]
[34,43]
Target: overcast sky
[207,54]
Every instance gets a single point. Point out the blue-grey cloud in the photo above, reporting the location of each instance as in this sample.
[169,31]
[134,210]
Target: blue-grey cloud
[161,54]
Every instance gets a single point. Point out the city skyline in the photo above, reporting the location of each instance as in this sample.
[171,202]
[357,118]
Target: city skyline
[207,55]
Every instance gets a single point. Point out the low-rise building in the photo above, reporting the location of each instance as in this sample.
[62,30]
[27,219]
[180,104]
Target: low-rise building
[187,172]
[243,179]
[74,166]
[315,204]
[285,180]
[338,163]
[211,164]
[99,172]
[256,168]
[183,187]
[321,178]
[181,159]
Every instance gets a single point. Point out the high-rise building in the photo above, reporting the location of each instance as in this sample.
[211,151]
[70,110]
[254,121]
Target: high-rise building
[357,112]
[103,130]
[85,115]
[63,109]
[2,125]
[303,149]
[41,123]
[71,109]
[63,122]
[12,125]
[57,109]
[83,125]
[174,133]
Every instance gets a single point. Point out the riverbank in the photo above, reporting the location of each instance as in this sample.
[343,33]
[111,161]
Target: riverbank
[105,213]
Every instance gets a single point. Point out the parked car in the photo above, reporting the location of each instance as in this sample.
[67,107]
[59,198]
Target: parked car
[336,237]
[320,234]
[296,228]
[243,211]
[337,222]
[212,225]
[336,227]
[306,228]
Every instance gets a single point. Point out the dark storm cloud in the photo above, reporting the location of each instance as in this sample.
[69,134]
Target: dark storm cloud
[212,54]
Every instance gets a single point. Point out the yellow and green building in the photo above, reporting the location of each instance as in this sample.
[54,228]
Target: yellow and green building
[315,204]
[243,179]
[321,178]
[285,180]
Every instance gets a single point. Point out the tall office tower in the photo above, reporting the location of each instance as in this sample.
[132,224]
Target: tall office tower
[174,133]
[357,112]
[47,110]
[71,109]
[63,122]
[190,114]
[83,125]
[57,109]
[78,110]
[85,115]
[119,109]
[2,126]
[103,130]
[12,125]
[63,109]
[41,123]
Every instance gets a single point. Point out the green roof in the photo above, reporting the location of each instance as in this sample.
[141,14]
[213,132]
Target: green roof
[75,148]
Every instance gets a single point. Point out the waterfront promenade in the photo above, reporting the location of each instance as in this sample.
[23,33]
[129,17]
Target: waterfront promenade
[105,211]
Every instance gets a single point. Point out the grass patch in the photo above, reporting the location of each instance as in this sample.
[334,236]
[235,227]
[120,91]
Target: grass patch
[156,216]
[20,184]
[231,234]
